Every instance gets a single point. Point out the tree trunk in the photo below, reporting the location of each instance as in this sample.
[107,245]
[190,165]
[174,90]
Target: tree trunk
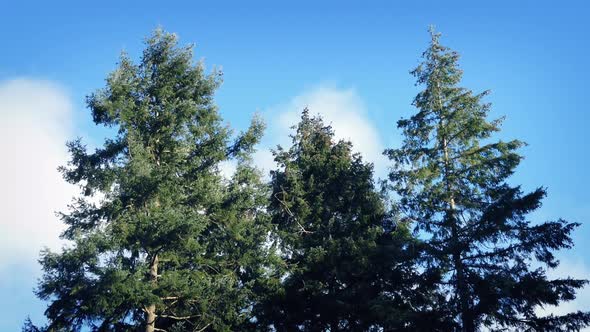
[461,290]
[151,309]
[461,286]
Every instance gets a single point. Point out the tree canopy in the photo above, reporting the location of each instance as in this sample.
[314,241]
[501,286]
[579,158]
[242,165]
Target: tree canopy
[160,239]
[348,267]
[170,245]
[452,181]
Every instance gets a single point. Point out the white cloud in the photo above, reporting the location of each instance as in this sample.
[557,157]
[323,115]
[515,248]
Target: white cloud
[264,159]
[343,109]
[35,122]
[227,168]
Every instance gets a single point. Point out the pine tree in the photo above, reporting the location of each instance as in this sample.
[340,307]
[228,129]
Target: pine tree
[452,182]
[172,245]
[347,268]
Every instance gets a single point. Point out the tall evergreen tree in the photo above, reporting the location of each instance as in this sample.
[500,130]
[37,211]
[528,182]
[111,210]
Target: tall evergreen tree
[171,246]
[347,268]
[452,183]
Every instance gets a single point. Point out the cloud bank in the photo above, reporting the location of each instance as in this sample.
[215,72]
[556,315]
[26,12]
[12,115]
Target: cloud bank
[343,109]
[35,122]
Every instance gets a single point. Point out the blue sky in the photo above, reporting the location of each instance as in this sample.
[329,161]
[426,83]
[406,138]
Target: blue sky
[346,60]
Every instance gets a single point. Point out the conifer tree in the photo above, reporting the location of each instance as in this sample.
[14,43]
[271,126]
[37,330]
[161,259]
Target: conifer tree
[452,182]
[347,268]
[171,245]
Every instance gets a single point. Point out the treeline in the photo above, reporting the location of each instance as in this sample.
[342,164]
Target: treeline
[159,240]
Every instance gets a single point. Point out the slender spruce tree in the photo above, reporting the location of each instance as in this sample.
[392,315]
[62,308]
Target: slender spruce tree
[348,268]
[452,182]
[171,245]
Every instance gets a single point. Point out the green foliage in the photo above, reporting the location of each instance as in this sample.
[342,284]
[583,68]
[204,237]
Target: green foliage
[169,235]
[347,268]
[160,240]
[452,183]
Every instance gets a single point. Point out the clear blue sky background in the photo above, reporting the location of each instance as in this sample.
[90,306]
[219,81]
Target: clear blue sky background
[533,55]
